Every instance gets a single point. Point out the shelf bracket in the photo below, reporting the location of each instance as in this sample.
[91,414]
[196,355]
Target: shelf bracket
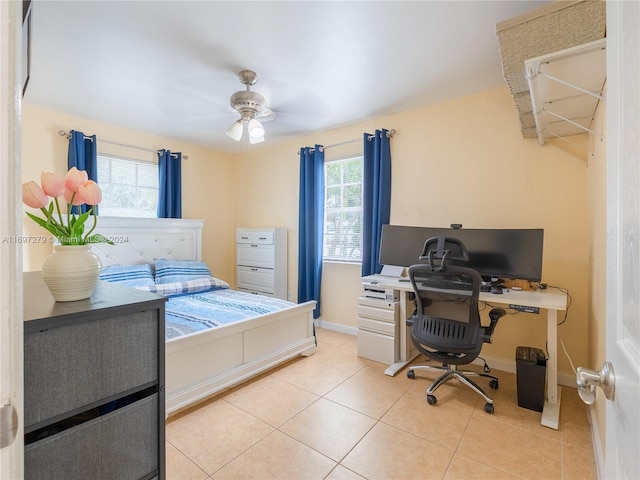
[569,84]
[582,127]
[542,93]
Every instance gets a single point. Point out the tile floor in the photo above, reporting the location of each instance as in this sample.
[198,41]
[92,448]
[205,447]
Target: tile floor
[334,416]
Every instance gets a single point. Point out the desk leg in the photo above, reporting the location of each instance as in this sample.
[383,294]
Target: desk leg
[404,350]
[551,410]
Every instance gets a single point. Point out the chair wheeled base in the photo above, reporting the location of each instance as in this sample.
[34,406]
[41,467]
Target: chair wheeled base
[449,372]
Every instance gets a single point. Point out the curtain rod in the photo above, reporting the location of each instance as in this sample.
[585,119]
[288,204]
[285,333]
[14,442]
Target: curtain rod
[66,134]
[390,134]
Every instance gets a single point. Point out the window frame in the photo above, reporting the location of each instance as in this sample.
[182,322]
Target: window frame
[325,234]
[137,161]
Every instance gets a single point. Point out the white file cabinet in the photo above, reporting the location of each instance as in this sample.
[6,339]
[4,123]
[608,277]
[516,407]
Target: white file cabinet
[378,330]
[261,261]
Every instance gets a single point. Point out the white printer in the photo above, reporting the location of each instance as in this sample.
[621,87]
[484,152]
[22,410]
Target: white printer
[371,289]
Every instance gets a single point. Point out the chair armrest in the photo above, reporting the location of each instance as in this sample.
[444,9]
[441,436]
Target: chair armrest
[412,299]
[494,315]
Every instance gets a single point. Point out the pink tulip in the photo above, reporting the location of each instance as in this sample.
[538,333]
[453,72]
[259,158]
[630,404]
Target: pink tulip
[33,196]
[52,184]
[74,178]
[90,193]
[68,194]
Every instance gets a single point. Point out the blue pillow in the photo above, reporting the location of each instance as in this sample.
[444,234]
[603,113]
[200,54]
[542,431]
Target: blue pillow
[170,271]
[129,275]
[203,284]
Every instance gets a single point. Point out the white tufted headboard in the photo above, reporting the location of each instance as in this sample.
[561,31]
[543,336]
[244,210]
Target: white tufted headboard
[140,240]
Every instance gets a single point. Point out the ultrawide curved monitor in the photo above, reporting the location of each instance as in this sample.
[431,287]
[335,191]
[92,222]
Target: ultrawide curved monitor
[502,253]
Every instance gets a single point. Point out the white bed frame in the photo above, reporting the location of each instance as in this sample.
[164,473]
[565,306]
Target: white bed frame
[202,364]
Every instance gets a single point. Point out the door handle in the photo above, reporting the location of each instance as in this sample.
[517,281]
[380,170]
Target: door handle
[9,423]
[588,380]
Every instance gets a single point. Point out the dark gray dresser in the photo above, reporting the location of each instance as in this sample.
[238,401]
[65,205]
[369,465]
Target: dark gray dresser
[93,384]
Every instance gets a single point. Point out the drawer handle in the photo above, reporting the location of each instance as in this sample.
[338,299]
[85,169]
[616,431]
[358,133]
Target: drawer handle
[254,269]
[254,246]
[244,238]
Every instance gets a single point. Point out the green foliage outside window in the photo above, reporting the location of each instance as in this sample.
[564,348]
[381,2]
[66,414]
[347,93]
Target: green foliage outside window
[343,210]
[129,187]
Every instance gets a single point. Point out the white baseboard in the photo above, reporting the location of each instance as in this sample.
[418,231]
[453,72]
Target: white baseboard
[564,379]
[337,327]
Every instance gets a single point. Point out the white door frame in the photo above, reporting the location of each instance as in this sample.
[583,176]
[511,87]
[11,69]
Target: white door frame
[11,352]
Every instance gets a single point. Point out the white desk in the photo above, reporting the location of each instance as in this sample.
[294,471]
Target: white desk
[550,300]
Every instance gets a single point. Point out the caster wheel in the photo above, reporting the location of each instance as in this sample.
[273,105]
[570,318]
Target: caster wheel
[431,399]
[488,407]
[494,384]
[411,374]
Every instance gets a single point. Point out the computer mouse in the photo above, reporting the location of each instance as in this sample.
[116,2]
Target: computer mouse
[496,290]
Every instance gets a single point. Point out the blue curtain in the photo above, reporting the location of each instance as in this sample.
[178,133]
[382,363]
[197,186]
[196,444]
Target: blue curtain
[83,154]
[376,195]
[170,184]
[311,225]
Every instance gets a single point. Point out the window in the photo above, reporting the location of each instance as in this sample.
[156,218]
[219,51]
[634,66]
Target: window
[129,187]
[343,210]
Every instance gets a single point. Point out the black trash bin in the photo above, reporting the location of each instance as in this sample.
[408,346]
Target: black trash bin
[531,369]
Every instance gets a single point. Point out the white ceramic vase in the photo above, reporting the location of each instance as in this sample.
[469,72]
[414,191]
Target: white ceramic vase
[71,272]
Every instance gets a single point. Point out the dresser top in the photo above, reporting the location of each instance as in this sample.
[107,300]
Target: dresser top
[40,310]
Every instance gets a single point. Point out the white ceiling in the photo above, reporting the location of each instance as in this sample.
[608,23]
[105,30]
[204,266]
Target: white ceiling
[169,67]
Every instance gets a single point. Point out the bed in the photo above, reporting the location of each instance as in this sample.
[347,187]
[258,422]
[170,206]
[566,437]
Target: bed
[202,363]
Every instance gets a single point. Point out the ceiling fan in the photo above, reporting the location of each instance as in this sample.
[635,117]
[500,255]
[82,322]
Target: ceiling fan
[252,108]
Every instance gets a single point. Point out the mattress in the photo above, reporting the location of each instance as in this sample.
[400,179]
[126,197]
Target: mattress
[196,301]
[195,312]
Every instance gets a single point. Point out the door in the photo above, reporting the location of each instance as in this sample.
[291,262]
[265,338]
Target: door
[623,238]
[11,443]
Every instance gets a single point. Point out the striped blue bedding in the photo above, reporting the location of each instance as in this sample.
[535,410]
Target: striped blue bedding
[195,303]
[196,312]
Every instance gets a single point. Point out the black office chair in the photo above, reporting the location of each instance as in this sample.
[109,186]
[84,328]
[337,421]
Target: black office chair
[446,324]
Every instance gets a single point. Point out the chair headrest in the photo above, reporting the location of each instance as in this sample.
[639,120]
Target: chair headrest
[438,250]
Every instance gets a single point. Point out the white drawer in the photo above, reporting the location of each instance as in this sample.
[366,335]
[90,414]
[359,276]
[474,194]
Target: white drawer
[378,302]
[256,237]
[377,347]
[387,328]
[384,314]
[253,278]
[255,292]
[256,255]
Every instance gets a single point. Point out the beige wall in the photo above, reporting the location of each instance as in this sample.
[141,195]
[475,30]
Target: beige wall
[207,191]
[461,161]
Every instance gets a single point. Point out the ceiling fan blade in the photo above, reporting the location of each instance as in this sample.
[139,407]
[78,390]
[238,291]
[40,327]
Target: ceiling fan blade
[194,98]
[266,115]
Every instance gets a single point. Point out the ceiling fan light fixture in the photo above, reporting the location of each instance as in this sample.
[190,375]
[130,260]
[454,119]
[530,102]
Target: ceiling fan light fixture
[256,130]
[235,130]
[251,106]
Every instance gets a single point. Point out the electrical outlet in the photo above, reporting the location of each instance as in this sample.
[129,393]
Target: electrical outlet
[289,296]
